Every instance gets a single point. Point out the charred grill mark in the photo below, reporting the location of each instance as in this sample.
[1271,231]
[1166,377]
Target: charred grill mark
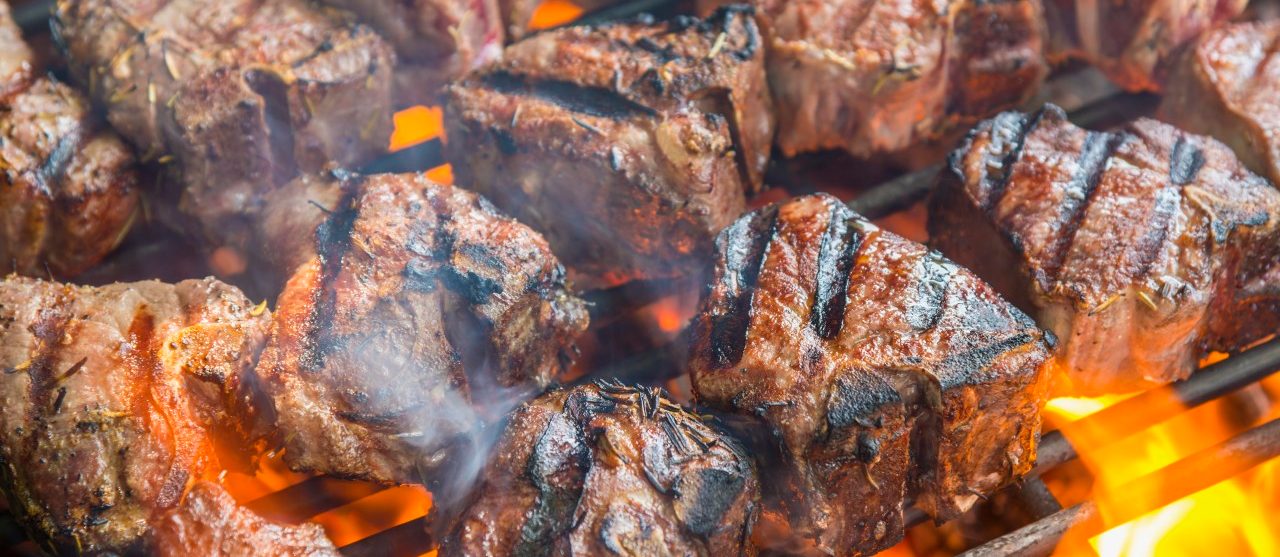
[745,246]
[705,496]
[1097,150]
[53,167]
[1186,161]
[1009,133]
[856,397]
[557,468]
[380,421]
[49,329]
[275,97]
[333,240]
[933,274]
[836,256]
[962,367]
[593,101]
[1167,202]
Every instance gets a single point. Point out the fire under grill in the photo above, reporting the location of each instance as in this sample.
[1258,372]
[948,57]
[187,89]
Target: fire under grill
[1091,103]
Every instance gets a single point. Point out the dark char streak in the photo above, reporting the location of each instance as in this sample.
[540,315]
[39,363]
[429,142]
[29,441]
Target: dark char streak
[745,245]
[840,244]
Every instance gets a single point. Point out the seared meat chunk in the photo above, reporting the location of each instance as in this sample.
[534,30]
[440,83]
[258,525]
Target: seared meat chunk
[68,186]
[423,310]
[1142,249]
[435,40]
[881,77]
[1226,86]
[236,97]
[605,469]
[881,370]
[210,523]
[629,145]
[16,59]
[113,397]
[1134,42]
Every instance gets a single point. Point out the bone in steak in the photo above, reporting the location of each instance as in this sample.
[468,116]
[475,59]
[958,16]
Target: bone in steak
[881,77]
[210,523]
[235,97]
[881,370]
[1134,42]
[112,398]
[435,40]
[1227,85]
[1142,249]
[423,309]
[605,469]
[628,145]
[68,186]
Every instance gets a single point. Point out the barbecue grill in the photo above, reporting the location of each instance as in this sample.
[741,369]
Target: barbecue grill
[1090,101]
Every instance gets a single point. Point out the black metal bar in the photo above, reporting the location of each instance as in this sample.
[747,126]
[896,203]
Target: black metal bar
[311,497]
[33,17]
[1162,487]
[410,538]
[622,11]
[1036,498]
[609,304]
[420,157]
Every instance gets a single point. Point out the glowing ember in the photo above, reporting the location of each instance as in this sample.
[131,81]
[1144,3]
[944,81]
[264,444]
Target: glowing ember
[1234,517]
[415,125]
[554,13]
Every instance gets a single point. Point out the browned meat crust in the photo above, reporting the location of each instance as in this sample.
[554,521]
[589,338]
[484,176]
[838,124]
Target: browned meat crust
[111,398]
[236,97]
[610,470]
[436,40]
[1228,86]
[1142,249]
[628,145]
[68,187]
[210,523]
[1134,42]
[881,370]
[424,308]
[875,77]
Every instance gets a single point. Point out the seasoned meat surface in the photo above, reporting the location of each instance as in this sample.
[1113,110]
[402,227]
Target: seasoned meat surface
[112,398]
[605,469]
[881,372]
[210,523]
[234,97]
[68,185]
[435,40]
[876,77]
[628,145]
[1134,42]
[1227,85]
[1142,249]
[424,310]
[16,59]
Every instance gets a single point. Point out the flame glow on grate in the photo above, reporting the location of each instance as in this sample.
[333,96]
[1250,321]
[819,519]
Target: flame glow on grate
[1234,517]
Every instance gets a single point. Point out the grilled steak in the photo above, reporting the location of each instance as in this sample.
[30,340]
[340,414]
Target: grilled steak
[16,59]
[112,399]
[628,145]
[210,523]
[1141,249]
[882,371]
[435,40]
[68,186]
[881,77]
[1134,43]
[610,470]
[1225,86]
[423,309]
[236,97]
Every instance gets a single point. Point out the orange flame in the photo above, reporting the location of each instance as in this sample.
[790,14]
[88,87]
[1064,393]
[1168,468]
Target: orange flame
[553,13]
[1234,517]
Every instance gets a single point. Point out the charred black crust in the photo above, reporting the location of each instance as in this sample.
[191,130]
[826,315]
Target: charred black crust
[1185,162]
[857,396]
[333,240]
[744,246]
[840,244]
[966,367]
[593,101]
[557,468]
[1098,149]
[1018,126]
[708,494]
[933,276]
